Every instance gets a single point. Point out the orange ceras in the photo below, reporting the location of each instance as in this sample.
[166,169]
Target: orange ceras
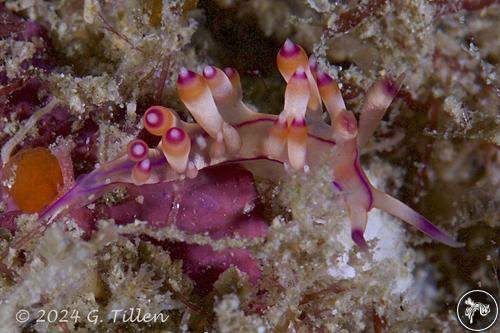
[33,177]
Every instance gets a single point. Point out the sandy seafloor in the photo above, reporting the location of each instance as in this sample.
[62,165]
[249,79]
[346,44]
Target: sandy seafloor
[293,267]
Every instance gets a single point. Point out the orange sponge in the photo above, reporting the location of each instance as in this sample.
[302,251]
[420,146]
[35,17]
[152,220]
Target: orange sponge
[33,177]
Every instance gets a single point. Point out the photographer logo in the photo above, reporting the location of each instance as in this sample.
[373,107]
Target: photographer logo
[477,310]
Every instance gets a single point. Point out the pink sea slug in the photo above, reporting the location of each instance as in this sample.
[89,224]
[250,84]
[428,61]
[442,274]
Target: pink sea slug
[228,131]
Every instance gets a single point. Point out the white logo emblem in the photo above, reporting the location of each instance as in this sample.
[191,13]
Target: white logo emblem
[477,310]
[473,307]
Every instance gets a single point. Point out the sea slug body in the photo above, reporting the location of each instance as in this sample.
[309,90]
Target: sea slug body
[232,132]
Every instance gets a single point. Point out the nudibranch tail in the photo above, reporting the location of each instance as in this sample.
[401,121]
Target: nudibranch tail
[396,208]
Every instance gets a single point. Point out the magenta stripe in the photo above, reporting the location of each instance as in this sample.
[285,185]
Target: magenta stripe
[364,181]
[254,121]
[256,158]
[259,120]
[320,139]
[337,186]
[251,122]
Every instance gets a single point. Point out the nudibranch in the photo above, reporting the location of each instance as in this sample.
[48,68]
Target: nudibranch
[229,131]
